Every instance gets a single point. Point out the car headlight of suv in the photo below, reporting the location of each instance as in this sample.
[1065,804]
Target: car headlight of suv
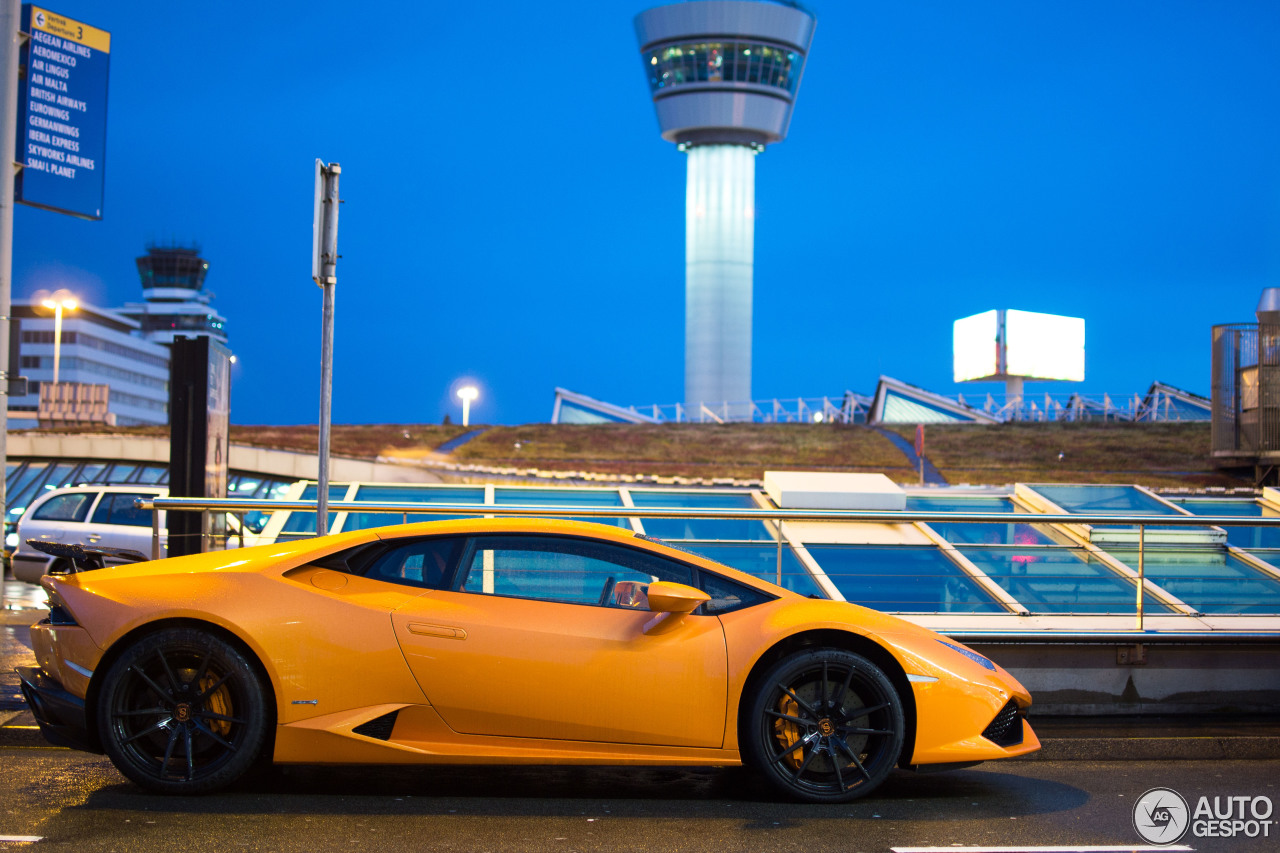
[971,655]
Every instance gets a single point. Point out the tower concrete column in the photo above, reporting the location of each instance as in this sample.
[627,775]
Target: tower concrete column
[719,253]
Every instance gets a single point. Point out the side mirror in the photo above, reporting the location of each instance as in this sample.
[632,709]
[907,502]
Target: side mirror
[667,597]
[672,602]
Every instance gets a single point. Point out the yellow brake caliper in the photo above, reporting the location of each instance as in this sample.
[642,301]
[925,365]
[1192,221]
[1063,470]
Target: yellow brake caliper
[219,702]
[788,732]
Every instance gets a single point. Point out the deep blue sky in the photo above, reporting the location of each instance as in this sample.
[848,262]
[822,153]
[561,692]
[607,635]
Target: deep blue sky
[512,214]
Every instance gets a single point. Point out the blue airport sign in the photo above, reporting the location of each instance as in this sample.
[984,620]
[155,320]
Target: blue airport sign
[62,114]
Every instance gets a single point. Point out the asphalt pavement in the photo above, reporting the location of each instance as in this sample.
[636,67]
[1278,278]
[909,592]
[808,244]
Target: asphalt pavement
[75,801]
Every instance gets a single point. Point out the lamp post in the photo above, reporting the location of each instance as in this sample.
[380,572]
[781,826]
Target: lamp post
[57,305]
[467,393]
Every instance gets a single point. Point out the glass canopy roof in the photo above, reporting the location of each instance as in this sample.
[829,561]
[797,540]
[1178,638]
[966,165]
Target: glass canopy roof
[936,568]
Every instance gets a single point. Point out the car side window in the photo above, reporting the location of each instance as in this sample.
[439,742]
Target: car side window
[727,596]
[420,562]
[119,508]
[567,570]
[73,507]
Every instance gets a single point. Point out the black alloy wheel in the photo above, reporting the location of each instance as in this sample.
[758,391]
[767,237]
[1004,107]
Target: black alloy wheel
[183,711]
[824,726]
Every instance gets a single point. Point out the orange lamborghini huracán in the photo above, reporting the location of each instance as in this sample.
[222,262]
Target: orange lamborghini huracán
[498,642]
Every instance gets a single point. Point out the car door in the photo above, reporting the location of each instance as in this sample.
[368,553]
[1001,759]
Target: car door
[116,522]
[530,640]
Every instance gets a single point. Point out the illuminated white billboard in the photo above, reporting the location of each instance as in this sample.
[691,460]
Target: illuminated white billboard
[1044,346]
[976,347]
[1010,343]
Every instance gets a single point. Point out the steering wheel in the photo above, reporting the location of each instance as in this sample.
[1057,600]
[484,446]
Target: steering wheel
[608,591]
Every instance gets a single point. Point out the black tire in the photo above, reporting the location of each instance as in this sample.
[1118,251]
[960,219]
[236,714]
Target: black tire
[823,726]
[183,711]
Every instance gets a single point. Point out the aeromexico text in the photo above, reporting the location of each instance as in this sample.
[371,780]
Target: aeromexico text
[51,142]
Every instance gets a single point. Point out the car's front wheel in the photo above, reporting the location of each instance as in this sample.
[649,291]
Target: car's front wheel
[824,725]
[183,711]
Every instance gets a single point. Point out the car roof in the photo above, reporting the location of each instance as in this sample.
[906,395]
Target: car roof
[77,490]
[583,529]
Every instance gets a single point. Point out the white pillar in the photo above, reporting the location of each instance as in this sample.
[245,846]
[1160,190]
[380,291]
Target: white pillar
[719,247]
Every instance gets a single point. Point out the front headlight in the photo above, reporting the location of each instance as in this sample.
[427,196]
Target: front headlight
[971,655]
[11,541]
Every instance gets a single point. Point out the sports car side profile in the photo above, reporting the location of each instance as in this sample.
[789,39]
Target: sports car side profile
[498,642]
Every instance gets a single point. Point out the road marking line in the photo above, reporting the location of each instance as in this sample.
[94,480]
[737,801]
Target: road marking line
[21,839]
[1127,848]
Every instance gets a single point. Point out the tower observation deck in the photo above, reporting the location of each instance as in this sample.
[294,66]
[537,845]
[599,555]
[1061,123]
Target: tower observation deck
[176,301]
[723,75]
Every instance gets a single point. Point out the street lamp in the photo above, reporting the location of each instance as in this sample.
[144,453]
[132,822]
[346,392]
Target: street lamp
[57,305]
[467,393]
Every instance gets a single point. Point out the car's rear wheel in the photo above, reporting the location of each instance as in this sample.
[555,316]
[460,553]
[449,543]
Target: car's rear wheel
[824,726]
[183,711]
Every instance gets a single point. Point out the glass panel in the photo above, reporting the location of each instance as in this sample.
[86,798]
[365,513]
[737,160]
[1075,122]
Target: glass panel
[699,528]
[1060,580]
[1109,500]
[90,473]
[1241,537]
[977,533]
[408,494]
[54,477]
[564,498]
[760,561]
[1210,581]
[19,487]
[152,474]
[712,62]
[305,522]
[910,410]
[276,491]
[59,476]
[242,486]
[119,473]
[1104,500]
[902,579]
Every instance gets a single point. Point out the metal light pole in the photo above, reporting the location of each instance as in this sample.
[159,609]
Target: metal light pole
[324,262]
[10,43]
[57,306]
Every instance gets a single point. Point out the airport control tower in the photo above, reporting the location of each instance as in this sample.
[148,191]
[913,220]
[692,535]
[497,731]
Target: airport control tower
[724,76]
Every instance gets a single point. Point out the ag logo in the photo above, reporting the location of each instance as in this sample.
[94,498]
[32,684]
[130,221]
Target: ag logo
[40,18]
[1161,816]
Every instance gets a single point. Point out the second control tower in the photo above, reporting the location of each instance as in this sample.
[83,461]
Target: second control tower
[723,75]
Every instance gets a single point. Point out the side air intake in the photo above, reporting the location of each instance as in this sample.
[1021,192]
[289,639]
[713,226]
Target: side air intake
[379,728]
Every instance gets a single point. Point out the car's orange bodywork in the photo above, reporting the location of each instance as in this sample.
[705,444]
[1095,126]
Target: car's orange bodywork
[500,680]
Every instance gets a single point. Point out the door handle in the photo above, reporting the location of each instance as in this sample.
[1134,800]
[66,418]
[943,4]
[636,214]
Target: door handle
[437,631]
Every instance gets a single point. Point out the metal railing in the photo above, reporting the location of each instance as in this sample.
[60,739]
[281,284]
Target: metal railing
[1158,406]
[776,516]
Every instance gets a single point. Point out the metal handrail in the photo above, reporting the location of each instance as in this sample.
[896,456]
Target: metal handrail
[777,515]
[891,516]
[1187,638]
